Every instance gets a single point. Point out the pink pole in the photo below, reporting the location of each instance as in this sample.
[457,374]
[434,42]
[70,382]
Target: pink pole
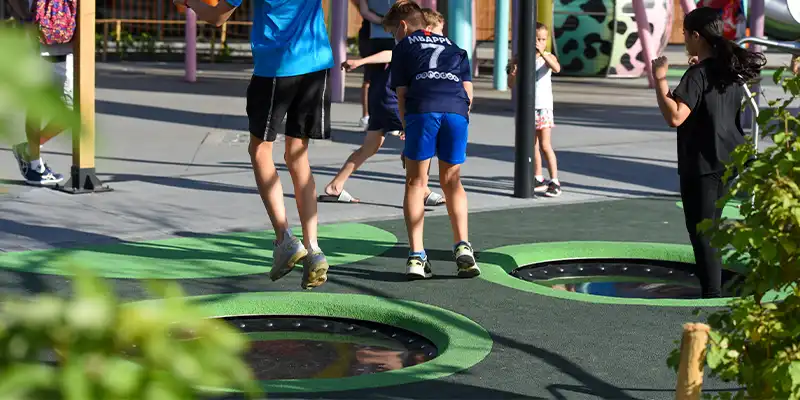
[474,40]
[644,37]
[688,6]
[339,47]
[190,52]
[515,42]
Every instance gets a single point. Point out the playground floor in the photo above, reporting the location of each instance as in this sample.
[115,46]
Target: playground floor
[184,207]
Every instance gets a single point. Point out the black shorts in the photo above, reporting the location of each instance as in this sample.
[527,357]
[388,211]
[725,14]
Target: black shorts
[298,106]
[384,119]
[376,46]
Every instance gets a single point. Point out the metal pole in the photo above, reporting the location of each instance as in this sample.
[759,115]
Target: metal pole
[756,30]
[339,45]
[645,38]
[190,52]
[526,101]
[474,24]
[501,44]
[460,25]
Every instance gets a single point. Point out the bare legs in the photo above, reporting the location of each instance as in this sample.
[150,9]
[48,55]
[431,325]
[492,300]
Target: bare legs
[414,200]
[414,203]
[364,99]
[542,142]
[271,190]
[372,143]
[450,179]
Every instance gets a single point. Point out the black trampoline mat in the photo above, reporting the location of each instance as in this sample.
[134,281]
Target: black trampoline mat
[314,348]
[626,278]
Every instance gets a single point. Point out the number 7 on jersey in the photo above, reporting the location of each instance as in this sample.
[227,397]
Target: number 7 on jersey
[433,63]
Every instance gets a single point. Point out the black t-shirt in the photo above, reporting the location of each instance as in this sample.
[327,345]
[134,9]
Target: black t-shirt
[713,129]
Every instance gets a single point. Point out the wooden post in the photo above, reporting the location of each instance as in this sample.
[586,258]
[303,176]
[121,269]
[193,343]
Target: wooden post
[693,356]
[82,175]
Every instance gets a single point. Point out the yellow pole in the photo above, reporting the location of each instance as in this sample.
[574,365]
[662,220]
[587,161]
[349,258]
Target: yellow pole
[544,11]
[82,176]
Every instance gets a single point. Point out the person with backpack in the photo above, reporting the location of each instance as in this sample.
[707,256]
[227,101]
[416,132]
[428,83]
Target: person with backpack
[55,23]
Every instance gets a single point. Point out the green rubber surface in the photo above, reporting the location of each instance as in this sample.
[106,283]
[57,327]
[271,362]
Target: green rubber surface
[461,342]
[731,210]
[497,268]
[212,256]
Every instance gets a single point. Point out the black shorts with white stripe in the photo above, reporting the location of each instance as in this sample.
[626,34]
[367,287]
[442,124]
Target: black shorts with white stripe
[298,106]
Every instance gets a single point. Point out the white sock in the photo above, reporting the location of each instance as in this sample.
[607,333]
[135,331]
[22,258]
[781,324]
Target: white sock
[540,177]
[314,247]
[38,165]
[555,180]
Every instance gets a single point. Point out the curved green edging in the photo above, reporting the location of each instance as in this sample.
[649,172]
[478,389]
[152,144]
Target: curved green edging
[213,256]
[497,265]
[461,342]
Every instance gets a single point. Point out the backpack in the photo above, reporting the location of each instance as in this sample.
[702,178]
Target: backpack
[56,20]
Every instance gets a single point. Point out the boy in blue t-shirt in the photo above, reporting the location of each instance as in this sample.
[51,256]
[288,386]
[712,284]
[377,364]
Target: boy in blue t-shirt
[385,118]
[433,80]
[290,93]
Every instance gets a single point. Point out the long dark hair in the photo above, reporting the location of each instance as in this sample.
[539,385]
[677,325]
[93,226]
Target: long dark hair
[732,63]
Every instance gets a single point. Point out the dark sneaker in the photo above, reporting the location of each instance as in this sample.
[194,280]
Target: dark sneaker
[45,178]
[539,186]
[465,260]
[553,190]
[315,270]
[418,268]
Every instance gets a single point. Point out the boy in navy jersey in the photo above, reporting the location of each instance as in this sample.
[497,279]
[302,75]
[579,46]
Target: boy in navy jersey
[432,77]
[385,119]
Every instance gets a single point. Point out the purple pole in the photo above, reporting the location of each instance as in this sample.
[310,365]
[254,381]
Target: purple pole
[514,42]
[428,4]
[190,52]
[644,37]
[339,47]
[474,41]
[688,6]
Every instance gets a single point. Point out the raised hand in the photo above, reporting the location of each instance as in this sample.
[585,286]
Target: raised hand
[659,67]
[348,65]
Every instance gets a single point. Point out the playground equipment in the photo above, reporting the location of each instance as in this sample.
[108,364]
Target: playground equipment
[601,37]
[782,19]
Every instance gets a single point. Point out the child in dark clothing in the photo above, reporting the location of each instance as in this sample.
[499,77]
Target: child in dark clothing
[706,108]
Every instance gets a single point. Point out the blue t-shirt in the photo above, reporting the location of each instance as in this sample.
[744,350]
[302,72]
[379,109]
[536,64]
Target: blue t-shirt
[380,91]
[433,69]
[289,37]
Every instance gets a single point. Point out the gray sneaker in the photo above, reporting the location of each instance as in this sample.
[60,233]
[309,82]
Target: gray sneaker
[465,260]
[315,270]
[285,256]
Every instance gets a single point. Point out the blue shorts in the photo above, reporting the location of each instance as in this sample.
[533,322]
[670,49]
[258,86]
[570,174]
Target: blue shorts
[441,134]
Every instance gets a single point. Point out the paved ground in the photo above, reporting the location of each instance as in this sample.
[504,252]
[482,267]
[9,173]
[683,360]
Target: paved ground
[175,153]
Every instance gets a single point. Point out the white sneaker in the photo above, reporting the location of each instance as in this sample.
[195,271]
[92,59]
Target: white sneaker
[465,260]
[364,122]
[417,268]
[285,256]
[315,270]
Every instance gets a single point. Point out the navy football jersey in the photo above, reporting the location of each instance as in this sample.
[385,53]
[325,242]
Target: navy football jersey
[433,69]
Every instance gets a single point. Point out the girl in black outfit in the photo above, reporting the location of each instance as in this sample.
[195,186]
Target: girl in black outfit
[706,108]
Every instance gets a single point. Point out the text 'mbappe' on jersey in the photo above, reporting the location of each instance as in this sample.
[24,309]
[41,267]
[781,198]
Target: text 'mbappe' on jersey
[434,70]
